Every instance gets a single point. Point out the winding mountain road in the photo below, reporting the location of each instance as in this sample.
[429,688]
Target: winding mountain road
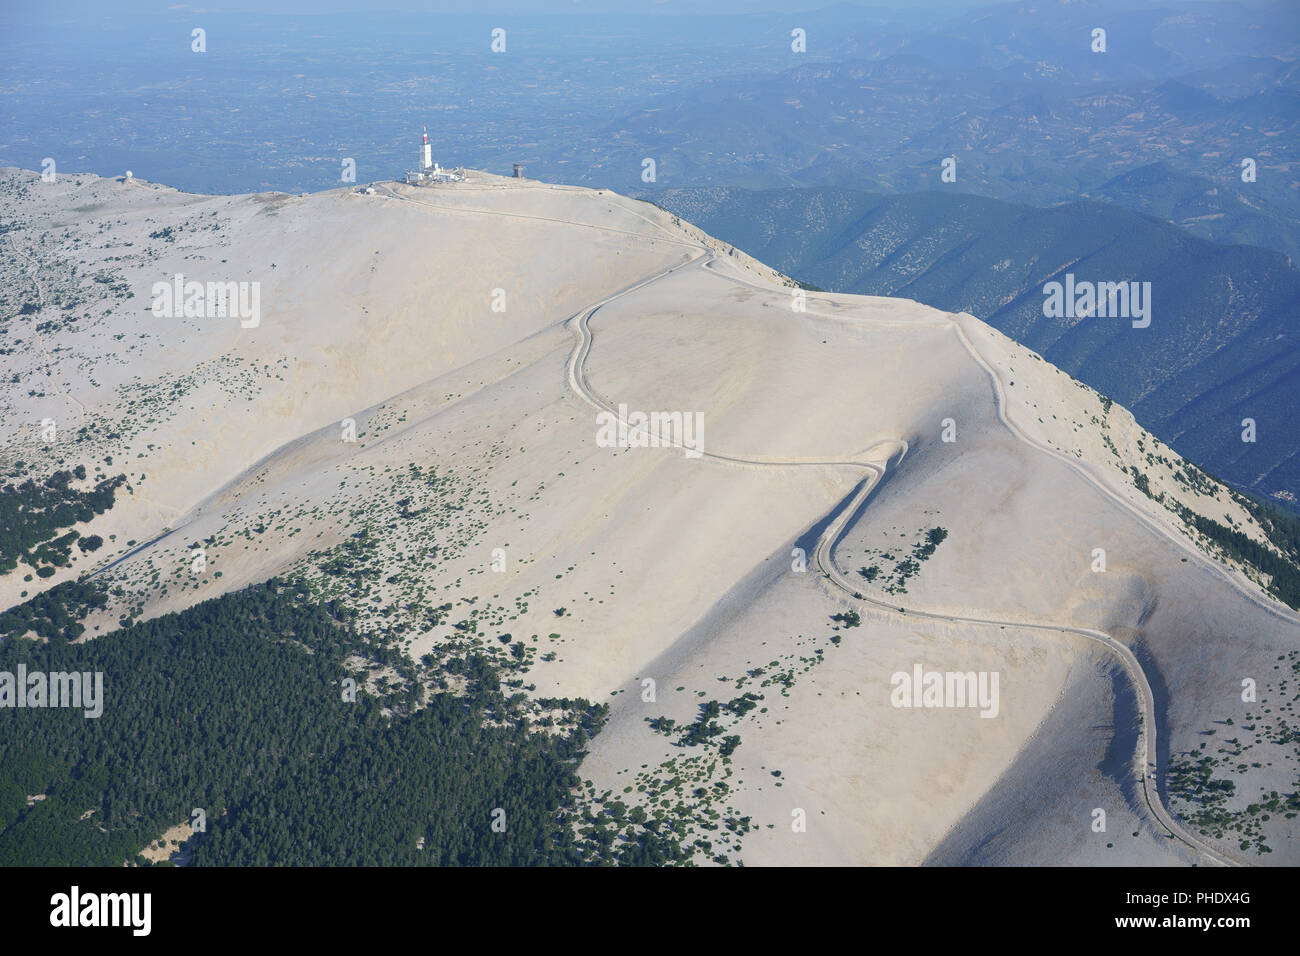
[1145,763]
[875,462]
[1145,757]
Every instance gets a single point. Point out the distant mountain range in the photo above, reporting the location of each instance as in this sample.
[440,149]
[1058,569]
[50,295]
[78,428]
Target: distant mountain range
[1224,212]
[1224,340]
[1159,123]
[1024,133]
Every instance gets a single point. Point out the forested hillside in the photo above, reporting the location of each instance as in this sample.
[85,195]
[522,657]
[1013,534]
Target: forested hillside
[237,707]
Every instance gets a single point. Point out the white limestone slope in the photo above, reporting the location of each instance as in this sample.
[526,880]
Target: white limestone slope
[684,571]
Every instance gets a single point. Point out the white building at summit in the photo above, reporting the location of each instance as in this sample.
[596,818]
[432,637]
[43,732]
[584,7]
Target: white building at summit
[429,171]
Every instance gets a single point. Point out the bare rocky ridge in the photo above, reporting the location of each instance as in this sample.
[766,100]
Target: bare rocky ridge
[476,447]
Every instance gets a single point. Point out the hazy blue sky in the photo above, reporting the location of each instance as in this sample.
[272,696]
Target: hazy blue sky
[97,8]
